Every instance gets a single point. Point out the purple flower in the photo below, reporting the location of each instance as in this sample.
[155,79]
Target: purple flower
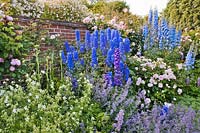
[187,81]
[67,47]
[120,120]
[1,60]
[75,55]
[118,74]
[198,82]
[94,61]
[63,57]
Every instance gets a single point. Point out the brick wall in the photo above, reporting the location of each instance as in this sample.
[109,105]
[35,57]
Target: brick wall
[65,29]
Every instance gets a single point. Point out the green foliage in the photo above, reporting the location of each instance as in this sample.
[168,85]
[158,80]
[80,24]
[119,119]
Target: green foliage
[183,13]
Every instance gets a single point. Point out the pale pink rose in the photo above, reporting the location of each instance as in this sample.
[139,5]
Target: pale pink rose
[102,17]
[87,20]
[125,10]
[160,85]
[94,28]
[1,60]
[12,68]
[161,77]
[149,84]
[15,62]
[156,76]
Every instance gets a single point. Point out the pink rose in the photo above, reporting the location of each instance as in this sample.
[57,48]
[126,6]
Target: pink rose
[12,68]
[1,60]
[9,18]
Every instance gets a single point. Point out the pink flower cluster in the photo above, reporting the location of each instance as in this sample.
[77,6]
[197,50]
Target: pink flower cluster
[120,26]
[1,60]
[14,62]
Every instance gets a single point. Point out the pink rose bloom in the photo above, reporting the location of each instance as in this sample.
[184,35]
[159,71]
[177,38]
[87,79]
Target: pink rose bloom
[15,62]
[12,68]
[161,77]
[156,76]
[102,17]
[87,20]
[1,60]
[94,28]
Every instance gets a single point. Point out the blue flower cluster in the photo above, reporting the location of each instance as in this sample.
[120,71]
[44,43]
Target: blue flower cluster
[109,44]
[190,60]
[162,34]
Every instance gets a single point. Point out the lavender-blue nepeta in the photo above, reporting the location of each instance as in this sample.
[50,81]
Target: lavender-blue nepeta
[164,110]
[78,35]
[118,74]
[67,47]
[63,57]
[120,120]
[127,44]
[75,55]
[94,61]
[70,62]
[108,78]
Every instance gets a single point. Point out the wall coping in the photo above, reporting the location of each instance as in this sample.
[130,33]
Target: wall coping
[53,22]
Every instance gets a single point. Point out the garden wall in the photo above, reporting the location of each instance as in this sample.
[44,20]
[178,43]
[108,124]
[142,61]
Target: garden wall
[65,29]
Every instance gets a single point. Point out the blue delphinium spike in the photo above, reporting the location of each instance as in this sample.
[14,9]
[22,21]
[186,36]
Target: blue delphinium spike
[94,61]
[67,47]
[116,42]
[82,48]
[112,44]
[164,110]
[190,60]
[95,42]
[112,34]
[178,38]
[145,47]
[172,37]
[127,44]
[150,17]
[108,78]
[75,55]
[102,40]
[121,48]
[108,34]
[72,49]
[126,73]
[160,43]
[109,57]
[121,66]
[63,57]
[78,35]
[117,36]
[118,74]
[70,62]
[96,34]
[155,20]
[145,32]
[87,40]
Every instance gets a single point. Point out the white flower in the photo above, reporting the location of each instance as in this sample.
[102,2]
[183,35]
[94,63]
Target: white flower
[179,91]
[149,84]
[52,37]
[27,119]
[174,99]
[136,68]
[160,85]
[37,97]
[29,100]
[14,110]
[43,39]
[25,108]
[180,66]
[168,104]
[30,94]
[175,86]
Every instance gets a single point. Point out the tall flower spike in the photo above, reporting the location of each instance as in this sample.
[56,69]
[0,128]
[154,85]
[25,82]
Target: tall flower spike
[172,37]
[67,47]
[108,31]
[190,60]
[94,62]
[119,119]
[70,62]
[127,45]
[118,74]
[63,57]
[87,40]
[75,55]
[109,57]
[155,20]
[78,35]
[150,17]
[126,73]
[82,48]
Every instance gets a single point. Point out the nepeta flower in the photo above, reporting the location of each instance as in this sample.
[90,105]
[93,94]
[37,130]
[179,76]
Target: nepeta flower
[119,119]
[147,100]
